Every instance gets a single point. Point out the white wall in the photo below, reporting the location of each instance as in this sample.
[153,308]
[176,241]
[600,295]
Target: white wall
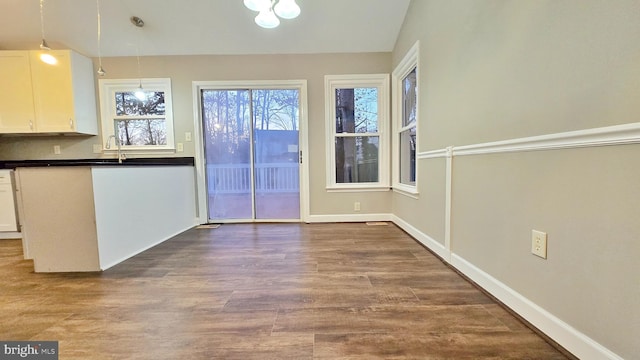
[140,207]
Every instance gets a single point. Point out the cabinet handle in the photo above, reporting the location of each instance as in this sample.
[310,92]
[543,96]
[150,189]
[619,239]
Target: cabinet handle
[30,125]
[71,123]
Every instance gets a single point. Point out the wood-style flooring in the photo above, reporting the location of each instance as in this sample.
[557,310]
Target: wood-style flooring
[265,291]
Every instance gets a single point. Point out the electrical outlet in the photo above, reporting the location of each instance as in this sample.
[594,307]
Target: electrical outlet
[56,149]
[356,206]
[179,147]
[539,243]
[97,148]
[187,136]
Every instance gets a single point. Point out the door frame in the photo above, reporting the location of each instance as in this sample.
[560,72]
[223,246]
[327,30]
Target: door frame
[201,188]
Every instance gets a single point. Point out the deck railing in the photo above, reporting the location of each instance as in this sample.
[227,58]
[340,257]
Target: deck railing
[236,178]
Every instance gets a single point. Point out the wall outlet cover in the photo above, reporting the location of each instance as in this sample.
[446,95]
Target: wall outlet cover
[539,243]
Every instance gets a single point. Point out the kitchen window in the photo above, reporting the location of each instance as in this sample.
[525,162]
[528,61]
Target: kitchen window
[139,117]
[357,131]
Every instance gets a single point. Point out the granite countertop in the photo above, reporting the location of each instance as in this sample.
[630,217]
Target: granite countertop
[172,161]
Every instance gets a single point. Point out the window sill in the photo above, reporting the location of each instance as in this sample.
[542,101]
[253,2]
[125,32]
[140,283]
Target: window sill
[358,189]
[128,152]
[407,191]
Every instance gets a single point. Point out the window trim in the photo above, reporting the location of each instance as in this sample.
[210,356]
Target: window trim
[410,62]
[108,88]
[381,82]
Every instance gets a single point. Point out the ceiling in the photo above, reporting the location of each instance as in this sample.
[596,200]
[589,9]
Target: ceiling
[186,27]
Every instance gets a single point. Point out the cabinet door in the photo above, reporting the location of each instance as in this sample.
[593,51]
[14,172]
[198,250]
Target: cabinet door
[53,93]
[16,94]
[7,203]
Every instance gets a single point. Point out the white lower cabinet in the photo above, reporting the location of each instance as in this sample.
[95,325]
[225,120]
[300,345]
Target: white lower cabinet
[8,218]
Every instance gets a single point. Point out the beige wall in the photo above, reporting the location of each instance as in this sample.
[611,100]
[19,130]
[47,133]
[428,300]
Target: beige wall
[183,70]
[504,69]
[587,202]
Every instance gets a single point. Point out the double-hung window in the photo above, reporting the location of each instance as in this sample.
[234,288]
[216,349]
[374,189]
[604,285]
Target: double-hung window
[140,118]
[357,131]
[405,114]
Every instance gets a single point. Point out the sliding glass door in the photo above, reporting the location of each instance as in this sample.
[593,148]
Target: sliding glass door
[251,143]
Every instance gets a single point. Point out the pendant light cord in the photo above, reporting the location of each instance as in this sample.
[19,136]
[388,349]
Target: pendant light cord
[42,18]
[138,60]
[99,36]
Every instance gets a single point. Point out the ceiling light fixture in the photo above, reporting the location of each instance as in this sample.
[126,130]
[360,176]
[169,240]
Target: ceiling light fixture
[100,71]
[45,56]
[268,9]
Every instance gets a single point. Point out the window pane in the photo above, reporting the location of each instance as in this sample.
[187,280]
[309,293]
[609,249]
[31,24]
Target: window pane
[275,109]
[128,104]
[357,159]
[142,132]
[409,98]
[408,156]
[357,110]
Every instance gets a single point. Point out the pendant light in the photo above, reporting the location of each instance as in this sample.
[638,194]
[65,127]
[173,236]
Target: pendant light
[100,71]
[287,9]
[139,93]
[45,56]
[267,19]
[268,9]
[257,5]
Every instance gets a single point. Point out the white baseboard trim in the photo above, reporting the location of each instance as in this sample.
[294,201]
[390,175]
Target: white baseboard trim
[564,334]
[10,235]
[423,238]
[348,218]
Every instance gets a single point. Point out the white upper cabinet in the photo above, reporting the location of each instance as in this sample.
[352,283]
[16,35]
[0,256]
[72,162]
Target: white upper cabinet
[16,94]
[62,94]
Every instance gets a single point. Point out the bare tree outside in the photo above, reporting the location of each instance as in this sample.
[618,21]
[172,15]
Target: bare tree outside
[141,122]
[356,155]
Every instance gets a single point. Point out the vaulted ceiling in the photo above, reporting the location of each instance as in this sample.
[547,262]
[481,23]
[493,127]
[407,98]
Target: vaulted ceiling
[185,27]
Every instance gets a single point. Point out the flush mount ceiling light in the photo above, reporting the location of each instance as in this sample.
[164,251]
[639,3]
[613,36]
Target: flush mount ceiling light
[286,9]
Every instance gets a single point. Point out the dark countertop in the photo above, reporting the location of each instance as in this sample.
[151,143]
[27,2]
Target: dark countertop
[173,161]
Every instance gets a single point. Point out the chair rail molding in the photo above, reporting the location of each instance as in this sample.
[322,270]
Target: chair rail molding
[603,136]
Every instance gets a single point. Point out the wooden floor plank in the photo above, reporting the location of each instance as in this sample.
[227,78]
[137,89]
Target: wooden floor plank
[265,291]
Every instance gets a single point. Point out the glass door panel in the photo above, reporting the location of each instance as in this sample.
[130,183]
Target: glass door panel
[252,167]
[276,169]
[227,143]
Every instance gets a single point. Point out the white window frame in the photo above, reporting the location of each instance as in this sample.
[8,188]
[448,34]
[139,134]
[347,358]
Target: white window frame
[410,62]
[108,89]
[381,82]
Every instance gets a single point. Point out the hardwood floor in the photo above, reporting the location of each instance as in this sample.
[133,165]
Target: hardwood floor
[267,291]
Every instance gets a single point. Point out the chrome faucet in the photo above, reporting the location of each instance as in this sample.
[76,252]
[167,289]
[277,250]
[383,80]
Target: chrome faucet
[121,155]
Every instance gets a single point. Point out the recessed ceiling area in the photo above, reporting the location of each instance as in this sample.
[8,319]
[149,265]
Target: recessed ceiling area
[219,27]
